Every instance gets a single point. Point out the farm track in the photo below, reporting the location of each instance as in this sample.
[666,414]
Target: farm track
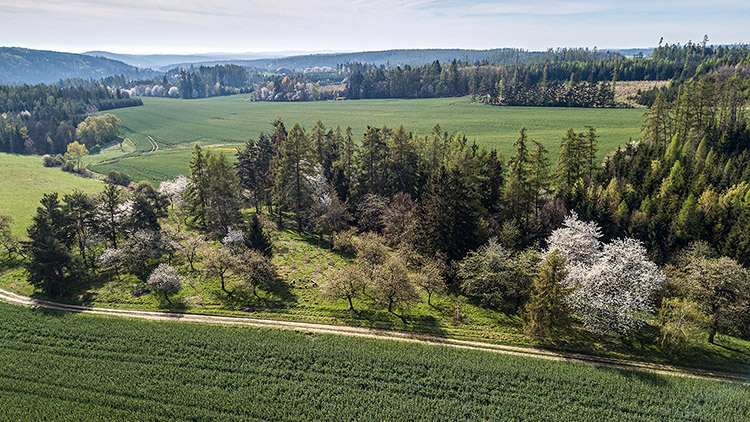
[597,361]
[154,145]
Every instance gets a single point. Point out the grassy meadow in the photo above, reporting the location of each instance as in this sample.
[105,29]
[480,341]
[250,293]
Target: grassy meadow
[70,367]
[23,182]
[227,122]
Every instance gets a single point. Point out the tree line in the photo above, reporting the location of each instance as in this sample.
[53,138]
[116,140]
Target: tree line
[43,119]
[578,78]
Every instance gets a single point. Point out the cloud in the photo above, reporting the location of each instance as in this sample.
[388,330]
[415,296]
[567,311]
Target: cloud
[211,25]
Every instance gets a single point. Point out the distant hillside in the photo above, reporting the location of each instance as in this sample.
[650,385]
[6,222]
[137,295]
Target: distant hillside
[392,57]
[169,61]
[155,61]
[23,65]
[412,57]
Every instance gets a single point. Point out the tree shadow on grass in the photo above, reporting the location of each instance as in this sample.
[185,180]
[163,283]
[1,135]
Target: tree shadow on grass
[277,297]
[650,378]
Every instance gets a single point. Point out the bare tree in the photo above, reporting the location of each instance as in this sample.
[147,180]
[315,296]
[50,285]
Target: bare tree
[346,284]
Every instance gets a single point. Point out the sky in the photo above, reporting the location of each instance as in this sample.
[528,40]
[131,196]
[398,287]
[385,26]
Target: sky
[190,26]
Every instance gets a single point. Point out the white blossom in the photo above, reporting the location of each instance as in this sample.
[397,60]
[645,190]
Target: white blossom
[165,279]
[234,239]
[577,240]
[175,189]
[614,294]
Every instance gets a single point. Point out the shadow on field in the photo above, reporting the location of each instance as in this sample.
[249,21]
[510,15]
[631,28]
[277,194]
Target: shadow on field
[656,380]
[277,297]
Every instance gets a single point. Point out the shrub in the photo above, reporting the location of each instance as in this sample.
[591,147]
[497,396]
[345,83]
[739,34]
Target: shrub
[115,177]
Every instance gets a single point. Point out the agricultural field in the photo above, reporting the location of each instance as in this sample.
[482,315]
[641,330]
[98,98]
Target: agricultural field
[23,182]
[65,367]
[226,122]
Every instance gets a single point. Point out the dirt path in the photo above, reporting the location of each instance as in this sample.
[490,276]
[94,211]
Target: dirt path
[154,145]
[381,334]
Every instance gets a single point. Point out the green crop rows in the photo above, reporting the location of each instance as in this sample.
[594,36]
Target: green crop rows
[76,367]
[230,121]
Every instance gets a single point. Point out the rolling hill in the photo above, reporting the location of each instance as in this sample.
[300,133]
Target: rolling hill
[27,66]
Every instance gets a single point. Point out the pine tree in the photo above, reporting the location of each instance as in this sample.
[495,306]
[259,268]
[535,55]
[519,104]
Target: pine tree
[547,309]
[224,195]
[448,217]
[257,238]
[198,190]
[373,162]
[519,194]
[403,163]
[50,261]
[294,163]
[539,173]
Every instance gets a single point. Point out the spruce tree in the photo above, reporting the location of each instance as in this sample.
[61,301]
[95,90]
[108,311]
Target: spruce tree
[257,238]
[293,165]
[50,260]
[198,190]
[547,310]
[519,191]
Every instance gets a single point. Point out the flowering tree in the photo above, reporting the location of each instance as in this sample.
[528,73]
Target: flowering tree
[175,189]
[614,294]
[234,239]
[165,279]
[577,240]
[611,285]
[115,259]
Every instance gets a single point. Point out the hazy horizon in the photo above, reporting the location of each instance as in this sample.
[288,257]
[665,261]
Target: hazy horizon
[219,26]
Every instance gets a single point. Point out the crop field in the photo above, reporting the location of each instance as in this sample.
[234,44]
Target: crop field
[71,367]
[230,121]
[23,182]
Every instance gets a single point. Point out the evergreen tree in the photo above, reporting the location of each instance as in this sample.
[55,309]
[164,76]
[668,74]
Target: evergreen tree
[148,207]
[403,163]
[294,164]
[448,218]
[257,238]
[540,179]
[109,213]
[373,162]
[519,194]
[198,189]
[50,262]
[547,308]
[254,169]
[223,202]
[79,209]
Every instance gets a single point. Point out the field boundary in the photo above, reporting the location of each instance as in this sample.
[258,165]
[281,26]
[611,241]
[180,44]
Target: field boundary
[604,362]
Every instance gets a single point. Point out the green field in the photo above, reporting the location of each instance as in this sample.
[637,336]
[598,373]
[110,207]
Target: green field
[23,182]
[176,124]
[73,367]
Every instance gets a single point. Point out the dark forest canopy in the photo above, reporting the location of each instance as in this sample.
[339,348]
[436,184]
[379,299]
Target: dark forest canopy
[568,77]
[42,119]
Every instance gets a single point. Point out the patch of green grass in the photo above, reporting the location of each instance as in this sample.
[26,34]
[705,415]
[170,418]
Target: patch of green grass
[23,182]
[303,258]
[232,120]
[66,367]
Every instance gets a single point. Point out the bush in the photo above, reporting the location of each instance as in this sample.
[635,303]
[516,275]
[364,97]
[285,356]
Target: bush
[69,166]
[344,241]
[53,160]
[115,177]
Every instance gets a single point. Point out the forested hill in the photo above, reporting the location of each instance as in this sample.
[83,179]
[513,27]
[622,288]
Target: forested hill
[155,61]
[412,57]
[26,66]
